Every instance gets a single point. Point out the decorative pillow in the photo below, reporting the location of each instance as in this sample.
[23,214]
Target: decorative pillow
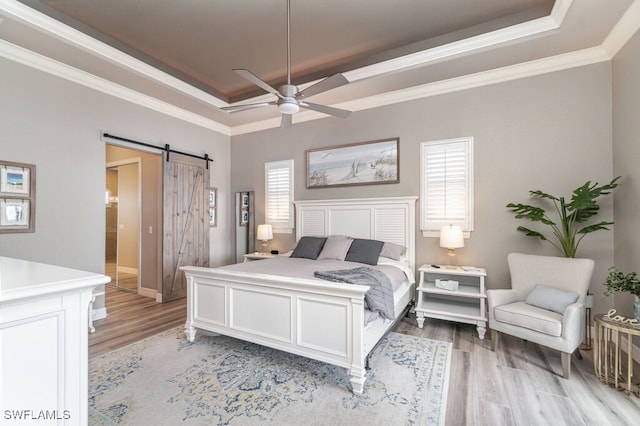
[393,251]
[550,298]
[336,247]
[309,247]
[364,251]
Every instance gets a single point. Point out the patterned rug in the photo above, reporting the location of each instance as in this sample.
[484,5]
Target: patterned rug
[165,380]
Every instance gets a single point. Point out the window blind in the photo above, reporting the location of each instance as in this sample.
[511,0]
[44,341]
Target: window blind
[446,184]
[279,194]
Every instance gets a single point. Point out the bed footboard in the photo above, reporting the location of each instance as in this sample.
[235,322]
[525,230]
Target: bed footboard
[321,321]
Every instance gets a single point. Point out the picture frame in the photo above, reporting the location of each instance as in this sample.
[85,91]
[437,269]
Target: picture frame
[15,180]
[17,197]
[245,201]
[213,213]
[244,217]
[362,163]
[14,213]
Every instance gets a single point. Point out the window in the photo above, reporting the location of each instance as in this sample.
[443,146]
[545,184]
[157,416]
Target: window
[446,185]
[278,177]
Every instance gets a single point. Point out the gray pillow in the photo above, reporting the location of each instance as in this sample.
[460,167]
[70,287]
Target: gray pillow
[393,251]
[551,298]
[336,247]
[364,251]
[309,247]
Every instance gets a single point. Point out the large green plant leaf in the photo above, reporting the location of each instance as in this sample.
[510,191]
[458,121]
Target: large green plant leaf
[595,227]
[533,213]
[582,207]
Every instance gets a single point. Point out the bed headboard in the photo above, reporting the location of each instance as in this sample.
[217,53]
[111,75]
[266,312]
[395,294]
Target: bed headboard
[390,219]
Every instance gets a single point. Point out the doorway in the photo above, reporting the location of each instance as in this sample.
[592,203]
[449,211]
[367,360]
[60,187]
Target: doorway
[123,217]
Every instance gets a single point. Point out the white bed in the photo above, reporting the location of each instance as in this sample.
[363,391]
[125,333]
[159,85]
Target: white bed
[317,319]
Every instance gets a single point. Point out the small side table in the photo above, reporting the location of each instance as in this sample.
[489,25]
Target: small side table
[466,305]
[258,256]
[607,354]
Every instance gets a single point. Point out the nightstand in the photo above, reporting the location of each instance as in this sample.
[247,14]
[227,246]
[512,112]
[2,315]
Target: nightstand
[466,305]
[258,256]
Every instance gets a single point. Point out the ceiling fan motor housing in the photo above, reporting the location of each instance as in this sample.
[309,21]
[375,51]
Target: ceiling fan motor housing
[288,104]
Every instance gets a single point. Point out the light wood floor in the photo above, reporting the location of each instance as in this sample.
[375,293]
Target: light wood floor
[121,280]
[519,384]
[131,318]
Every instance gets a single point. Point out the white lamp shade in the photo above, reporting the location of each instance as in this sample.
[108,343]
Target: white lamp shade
[451,237]
[264,232]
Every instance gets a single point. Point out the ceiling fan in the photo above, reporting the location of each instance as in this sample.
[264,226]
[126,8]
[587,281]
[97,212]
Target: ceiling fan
[290,98]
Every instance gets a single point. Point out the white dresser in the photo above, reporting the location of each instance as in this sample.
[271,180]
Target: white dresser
[44,315]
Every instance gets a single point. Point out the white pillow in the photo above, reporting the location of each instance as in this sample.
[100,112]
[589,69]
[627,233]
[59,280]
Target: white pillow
[551,298]
[336,247]
[393,251]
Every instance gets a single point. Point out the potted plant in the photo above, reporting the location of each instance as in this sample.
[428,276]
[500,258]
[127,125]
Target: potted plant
[571,225]
[628,283]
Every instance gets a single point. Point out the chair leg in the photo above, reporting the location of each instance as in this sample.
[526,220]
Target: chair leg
[494,340]
[566,364]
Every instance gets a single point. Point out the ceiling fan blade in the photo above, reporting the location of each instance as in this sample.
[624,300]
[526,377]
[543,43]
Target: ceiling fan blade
[286,121]
[238,108]
[342,113]
[257,81]
[328,83]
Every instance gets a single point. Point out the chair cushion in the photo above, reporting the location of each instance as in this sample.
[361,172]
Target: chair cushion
[551,298]
[524,315]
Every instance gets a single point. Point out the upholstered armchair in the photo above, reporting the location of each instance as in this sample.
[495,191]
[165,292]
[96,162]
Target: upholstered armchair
[545,304]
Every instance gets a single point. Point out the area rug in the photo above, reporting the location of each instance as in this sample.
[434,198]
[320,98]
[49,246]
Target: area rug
[218,380]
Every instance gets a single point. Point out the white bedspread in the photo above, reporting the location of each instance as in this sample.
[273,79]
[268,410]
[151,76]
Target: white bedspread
[304,268]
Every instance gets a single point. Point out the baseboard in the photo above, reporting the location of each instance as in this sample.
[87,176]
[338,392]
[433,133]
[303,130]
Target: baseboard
[99,313]
[128,270]
[147,292]
[159,297]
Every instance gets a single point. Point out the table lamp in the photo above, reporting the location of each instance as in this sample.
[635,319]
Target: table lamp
[451,238]
[264,233]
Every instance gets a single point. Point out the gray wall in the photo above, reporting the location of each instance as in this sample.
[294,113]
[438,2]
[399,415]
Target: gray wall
[626,146]
[56,125]
[550,132]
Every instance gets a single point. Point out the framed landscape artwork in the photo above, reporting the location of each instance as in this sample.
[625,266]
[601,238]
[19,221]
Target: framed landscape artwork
[363,163]
[17,197]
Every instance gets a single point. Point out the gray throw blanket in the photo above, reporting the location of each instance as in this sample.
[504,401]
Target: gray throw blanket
[379,297]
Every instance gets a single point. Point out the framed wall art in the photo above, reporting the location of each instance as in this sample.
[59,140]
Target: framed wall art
[213,193]
[363,163]
[17,197]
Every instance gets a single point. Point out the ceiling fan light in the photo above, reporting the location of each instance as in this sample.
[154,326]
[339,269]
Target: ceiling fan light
[288,108]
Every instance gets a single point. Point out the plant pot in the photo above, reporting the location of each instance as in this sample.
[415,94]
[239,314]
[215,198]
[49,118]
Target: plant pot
[636,308]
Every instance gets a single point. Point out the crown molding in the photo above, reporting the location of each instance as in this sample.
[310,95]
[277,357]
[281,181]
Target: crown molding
[485,78]
[626,27]
[54,28]
[50,66]
[43,23]
[467,46]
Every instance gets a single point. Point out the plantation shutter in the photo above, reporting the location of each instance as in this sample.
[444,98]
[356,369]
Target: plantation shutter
[279,195]
[446,184]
